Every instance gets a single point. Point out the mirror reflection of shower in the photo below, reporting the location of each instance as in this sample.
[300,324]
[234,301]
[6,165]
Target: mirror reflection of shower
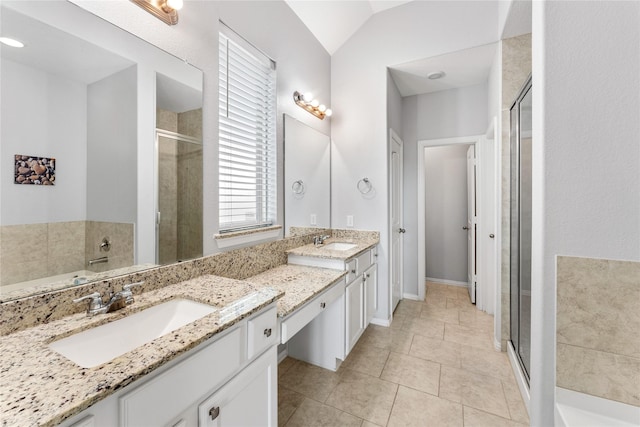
[179,172]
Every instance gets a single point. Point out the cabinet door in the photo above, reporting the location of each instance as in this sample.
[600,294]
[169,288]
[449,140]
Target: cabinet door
[354,313]
[370,293]
[249,399]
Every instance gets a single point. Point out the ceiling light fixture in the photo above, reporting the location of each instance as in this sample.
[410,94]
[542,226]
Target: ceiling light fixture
[312,105]
[165,10]
[11,42]
[435,75]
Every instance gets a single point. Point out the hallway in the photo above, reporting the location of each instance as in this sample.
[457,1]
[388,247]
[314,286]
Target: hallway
[435,366]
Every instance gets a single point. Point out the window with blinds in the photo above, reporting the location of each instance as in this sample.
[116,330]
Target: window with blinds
[247,137]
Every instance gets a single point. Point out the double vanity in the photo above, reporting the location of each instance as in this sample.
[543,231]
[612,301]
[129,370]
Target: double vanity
[201,351]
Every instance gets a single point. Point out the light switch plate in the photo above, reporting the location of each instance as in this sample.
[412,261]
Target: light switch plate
[349,220]
[313,220]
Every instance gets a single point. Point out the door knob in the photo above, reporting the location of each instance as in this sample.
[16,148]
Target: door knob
[402,230]
[465,228]
[492,235]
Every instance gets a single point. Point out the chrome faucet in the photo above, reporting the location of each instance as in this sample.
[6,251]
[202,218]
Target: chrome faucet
[319,240]
[116,301]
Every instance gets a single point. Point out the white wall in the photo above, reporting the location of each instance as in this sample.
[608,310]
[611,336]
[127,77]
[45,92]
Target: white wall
[112,142]
[46,118]
[302,64]
[359,91]
[586,158]
[445,199]
[444,114]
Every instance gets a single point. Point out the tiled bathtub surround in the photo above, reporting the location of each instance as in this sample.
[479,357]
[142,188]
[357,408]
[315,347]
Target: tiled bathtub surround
[238,264]
[33,251]
[597,328]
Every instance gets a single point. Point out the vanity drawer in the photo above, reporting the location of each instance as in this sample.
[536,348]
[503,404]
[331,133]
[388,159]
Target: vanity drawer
[292,324]
[352,269]
[262,332]
[184,383]
[363,261]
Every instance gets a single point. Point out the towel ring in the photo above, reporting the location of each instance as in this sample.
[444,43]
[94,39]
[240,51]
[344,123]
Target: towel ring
[298,187]
[365,186]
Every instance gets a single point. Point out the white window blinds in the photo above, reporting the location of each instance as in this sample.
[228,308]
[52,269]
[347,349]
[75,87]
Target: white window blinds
[247,138]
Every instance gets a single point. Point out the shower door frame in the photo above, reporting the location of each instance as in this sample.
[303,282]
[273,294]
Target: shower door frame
[516,201]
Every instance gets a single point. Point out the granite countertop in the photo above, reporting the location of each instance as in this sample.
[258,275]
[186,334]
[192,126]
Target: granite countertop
[299,283]
[42,387]
[362,244]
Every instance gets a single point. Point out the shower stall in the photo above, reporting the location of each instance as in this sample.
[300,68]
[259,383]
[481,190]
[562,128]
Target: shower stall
[179,197]
[520,250]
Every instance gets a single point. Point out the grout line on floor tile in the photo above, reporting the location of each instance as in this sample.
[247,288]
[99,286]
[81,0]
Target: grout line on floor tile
[505,399]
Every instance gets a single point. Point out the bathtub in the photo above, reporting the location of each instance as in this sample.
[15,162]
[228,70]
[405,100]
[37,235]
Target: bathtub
[575,409]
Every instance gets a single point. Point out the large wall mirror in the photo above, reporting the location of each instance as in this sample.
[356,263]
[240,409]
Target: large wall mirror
[307,176]
[101,154]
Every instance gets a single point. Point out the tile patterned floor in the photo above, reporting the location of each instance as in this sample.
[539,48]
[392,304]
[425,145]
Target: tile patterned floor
[435,366]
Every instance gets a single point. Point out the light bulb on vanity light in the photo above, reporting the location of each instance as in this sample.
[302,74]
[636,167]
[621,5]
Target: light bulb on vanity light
[315,103]
[307,97]
[175,4]
[322,108]
[328,112]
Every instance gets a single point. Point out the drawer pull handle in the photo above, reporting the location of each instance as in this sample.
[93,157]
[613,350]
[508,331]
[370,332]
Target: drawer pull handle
[353,271]
[214,412]
[323,304]
[267,332]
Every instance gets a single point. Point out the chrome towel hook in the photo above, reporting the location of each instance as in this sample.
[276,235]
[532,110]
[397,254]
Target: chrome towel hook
[298,187]
[365,186]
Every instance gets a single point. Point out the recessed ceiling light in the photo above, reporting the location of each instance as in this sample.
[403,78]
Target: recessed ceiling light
[434,75]
[11,42]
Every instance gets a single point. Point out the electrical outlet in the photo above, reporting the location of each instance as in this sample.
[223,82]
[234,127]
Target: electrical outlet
[313,220]
[349,220]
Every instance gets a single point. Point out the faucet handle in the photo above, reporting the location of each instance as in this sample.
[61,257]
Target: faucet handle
[128,287]
[95,300]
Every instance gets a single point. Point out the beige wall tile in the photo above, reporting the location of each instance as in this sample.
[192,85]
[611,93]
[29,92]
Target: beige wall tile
[601,374]
[516,66]
[167,120]
[24,243]
[598,304]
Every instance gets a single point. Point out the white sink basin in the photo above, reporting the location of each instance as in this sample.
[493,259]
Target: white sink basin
[103,343]
[339,246]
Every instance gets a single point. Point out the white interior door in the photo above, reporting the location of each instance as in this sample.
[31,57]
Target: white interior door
[395,159]
[471,226]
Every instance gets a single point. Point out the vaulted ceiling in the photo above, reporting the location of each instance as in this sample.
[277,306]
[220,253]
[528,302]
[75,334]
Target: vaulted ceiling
[332,22]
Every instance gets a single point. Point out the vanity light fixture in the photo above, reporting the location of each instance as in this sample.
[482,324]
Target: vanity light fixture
[11,42]
[165,10]
[312,105]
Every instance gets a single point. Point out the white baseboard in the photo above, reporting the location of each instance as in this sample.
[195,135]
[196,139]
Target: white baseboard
[497,344]
[413,297]
[446,281]
[283,355]
[381,322]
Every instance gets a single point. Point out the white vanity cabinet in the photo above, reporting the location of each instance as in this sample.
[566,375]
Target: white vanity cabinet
[360,302]
[231,380]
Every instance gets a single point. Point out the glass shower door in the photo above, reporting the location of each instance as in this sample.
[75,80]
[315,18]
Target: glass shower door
[521,144]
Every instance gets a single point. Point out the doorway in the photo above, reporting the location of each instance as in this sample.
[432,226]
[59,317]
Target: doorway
[395,217]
